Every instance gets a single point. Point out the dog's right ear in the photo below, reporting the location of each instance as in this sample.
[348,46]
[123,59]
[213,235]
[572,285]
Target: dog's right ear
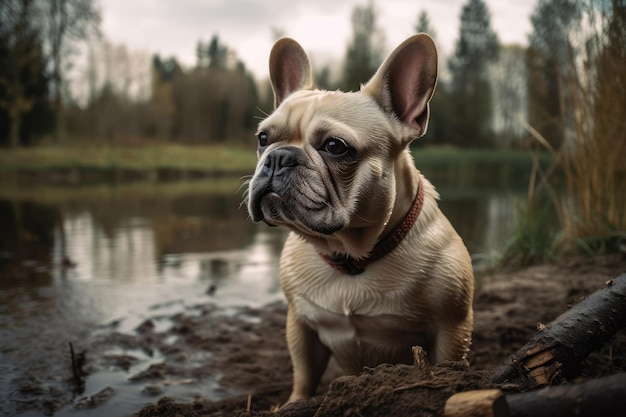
[290,69]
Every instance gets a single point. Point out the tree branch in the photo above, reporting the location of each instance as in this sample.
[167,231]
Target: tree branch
[558,350]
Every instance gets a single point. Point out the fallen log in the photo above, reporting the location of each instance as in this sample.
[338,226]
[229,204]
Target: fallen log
[604,396]
[478,403]
[558,349]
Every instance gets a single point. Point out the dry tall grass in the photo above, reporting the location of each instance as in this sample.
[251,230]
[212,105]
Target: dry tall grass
[594,158]
[591,210]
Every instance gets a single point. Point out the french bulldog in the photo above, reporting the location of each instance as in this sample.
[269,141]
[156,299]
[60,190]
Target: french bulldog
[371,266]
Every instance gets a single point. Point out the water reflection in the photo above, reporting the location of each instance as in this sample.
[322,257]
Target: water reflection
[78,258]
[72,260]
[483,217]
[27,234]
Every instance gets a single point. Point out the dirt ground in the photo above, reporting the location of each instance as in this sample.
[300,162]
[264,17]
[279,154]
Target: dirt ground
[250,350]
[247,353]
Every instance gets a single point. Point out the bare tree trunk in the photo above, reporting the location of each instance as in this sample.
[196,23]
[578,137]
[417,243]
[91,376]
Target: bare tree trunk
[59,119]
[68,20]
[17,76]
[14,133]
[15,108]
[58,28]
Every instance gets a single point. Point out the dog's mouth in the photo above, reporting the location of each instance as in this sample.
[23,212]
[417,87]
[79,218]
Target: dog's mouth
[269,209]
[272,209]
[288,191]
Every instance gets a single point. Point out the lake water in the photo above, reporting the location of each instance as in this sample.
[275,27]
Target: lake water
[76,259]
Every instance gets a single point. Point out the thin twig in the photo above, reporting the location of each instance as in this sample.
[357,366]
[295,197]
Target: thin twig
[79,384]
[421,384]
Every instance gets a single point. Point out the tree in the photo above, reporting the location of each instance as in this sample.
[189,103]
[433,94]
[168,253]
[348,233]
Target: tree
[607,110]
[476,48]
[576,86]
[213,54]
[423,25]
[364,53]
[509,86]
[217,53]
[552,21]
[117,82]
[67,22]
[23,83]
[211,103]
[438,126]
[322,78]
[202,55]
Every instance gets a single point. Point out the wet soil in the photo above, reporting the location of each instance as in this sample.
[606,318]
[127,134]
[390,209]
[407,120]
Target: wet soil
[246,352]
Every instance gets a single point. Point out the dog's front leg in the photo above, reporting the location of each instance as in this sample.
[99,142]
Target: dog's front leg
[453,340]
[308,355]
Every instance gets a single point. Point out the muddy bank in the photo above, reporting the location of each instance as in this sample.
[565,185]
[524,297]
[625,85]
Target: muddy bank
[223,362]
[508,307]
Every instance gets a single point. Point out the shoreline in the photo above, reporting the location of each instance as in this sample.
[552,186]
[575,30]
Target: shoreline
[173,162]
[244,350]
[96,176]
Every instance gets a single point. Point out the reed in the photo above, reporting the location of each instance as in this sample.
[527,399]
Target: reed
[593,213]
[591,209]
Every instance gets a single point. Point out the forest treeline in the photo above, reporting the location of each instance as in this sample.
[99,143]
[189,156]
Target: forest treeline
[489,95]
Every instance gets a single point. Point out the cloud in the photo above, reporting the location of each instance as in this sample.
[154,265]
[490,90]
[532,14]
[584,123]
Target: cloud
[322,27]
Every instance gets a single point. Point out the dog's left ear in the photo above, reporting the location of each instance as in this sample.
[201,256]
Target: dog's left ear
[290,69]
[405,82]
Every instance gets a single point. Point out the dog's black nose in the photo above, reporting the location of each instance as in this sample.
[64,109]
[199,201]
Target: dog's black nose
[281,160]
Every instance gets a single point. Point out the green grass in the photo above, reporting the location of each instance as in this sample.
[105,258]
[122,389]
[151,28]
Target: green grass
[219,159]
[209,157]
[535,235]
[238,160]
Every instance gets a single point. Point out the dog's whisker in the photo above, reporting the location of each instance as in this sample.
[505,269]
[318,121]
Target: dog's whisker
[245,184]
[262,111]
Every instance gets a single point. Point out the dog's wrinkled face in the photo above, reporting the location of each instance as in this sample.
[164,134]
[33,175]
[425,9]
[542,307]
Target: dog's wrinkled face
[328,160]
[321,155]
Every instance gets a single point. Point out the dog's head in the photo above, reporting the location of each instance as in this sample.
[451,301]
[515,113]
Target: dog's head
[329,161]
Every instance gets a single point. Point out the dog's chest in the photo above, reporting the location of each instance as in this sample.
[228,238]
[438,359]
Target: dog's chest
[364,328]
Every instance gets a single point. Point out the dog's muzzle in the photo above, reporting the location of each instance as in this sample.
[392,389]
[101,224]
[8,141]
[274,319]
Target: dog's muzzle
[267,186]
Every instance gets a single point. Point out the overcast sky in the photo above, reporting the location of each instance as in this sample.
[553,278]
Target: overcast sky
[322,27]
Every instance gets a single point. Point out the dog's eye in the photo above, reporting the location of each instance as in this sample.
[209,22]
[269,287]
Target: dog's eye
[336,146]
[262,139]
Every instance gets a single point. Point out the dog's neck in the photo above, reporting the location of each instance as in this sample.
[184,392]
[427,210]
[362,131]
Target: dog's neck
[385,244]
[358,242]
[407,179]
[364,245]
